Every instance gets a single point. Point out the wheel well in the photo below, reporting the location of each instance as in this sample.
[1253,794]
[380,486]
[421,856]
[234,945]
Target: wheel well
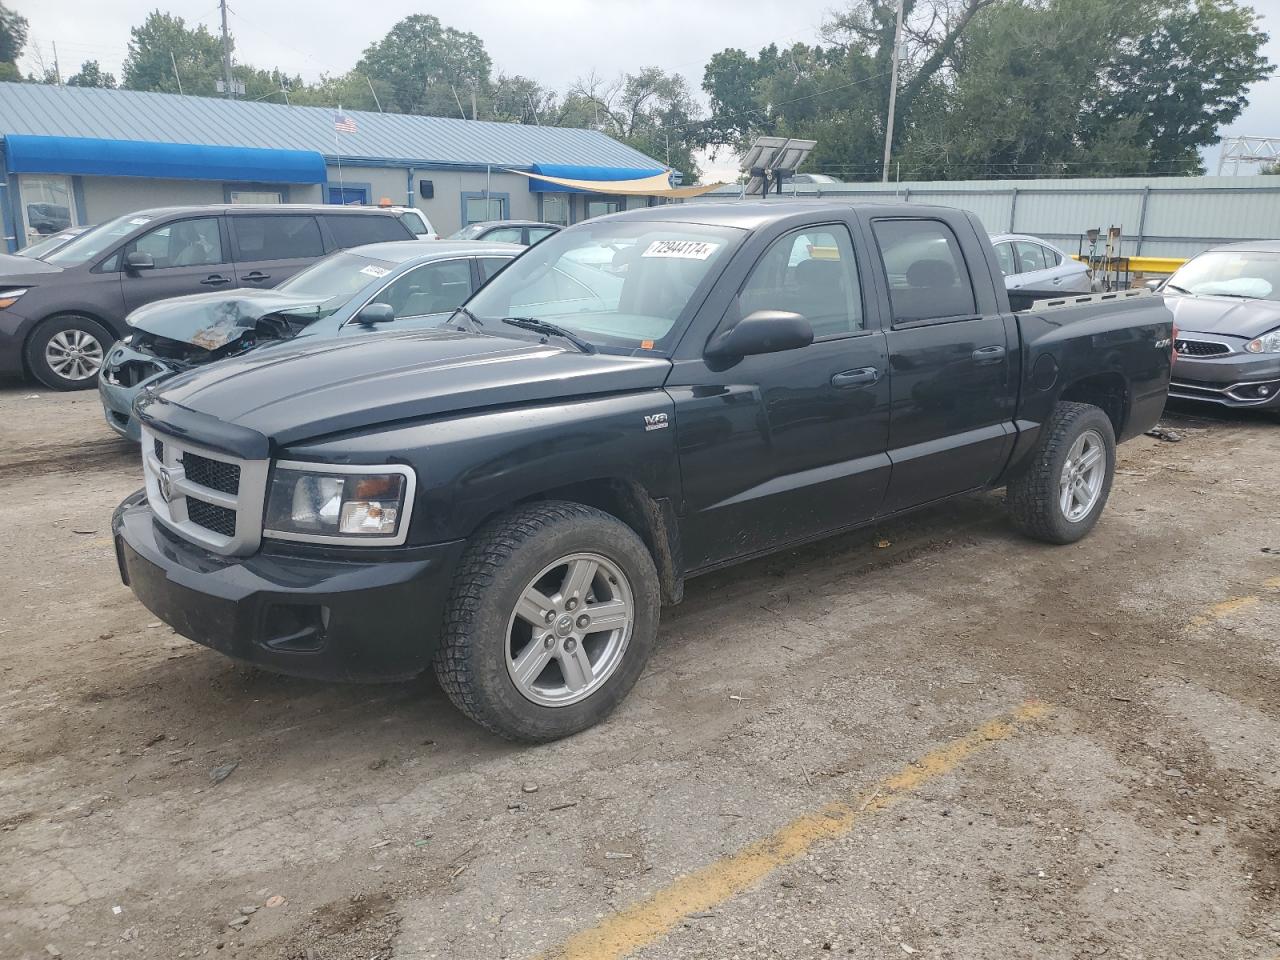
[87,315]
[1108,391]
[652,520]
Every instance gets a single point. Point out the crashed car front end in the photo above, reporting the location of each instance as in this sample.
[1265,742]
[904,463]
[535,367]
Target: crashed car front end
[126,372]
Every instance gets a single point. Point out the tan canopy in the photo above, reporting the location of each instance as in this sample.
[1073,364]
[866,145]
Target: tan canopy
[655,186]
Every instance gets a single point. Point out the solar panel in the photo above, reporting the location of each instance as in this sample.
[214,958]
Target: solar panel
[773,154]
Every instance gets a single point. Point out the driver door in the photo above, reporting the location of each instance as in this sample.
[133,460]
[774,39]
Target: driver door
[784,447]
[190,256]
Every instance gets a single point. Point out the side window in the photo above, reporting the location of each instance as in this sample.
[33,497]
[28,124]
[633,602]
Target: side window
[431,288]
[504,235]
[183,243]
[1004,255]
[1030,256]
[927,275]
[538,233]
[415,223]
[491,265]
[1051,257]
[811,272]
[276,237]
[354,230]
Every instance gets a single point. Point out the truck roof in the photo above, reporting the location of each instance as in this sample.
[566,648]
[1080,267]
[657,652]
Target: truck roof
[753,214]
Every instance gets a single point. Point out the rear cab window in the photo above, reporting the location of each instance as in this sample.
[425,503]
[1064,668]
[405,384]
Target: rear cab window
[927,276]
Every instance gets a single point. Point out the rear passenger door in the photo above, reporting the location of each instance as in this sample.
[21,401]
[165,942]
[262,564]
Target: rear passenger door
[949,361]
[271,247]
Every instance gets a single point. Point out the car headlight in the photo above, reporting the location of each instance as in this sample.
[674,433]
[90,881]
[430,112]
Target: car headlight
[339,504]
[1267,343]
[10,296]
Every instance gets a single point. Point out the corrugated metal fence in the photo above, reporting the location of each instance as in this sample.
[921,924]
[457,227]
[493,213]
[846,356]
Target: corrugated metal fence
[1160,216]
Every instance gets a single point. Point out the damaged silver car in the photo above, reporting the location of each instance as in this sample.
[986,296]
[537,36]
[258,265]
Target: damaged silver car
[403,284]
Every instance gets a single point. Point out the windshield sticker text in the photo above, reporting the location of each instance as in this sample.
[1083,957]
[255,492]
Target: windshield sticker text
[139,221]
[375,272]
[681,249]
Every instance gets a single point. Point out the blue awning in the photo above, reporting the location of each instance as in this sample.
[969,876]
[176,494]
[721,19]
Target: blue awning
[569,171]
[87,156]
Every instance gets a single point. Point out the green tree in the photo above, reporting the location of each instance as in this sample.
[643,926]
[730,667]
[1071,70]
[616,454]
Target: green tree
[91,74]
[652,111]
[164,39]
[351,91]
[428,68]
[13,37]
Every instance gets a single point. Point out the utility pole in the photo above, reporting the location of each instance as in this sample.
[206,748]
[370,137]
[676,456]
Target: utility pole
[893,95]
[57,70]
[177,76]
[226,51]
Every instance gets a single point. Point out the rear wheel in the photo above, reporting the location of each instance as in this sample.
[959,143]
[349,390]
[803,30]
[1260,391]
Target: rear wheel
[66,353]
[1061,495]
[552,616]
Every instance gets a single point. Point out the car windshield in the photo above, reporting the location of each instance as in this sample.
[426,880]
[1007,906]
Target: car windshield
[97,240]
[338,275]
[1231,273]
[471,232]
[42,248]
[621,285]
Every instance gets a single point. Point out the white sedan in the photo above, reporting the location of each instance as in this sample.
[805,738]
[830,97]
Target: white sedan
[1029,263]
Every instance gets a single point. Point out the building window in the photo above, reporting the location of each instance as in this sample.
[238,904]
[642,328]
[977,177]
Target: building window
[555,209]
[47,205]
[598,208]
[479,208]
[256,196]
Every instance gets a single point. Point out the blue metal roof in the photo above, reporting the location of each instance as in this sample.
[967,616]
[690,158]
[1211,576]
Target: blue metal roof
[56,111]
[24,153]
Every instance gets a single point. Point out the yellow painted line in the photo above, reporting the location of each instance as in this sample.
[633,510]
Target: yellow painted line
[644,922]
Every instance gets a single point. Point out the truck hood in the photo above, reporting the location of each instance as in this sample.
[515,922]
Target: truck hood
[303,389]
[1225,315]
[212,320]
[19,270]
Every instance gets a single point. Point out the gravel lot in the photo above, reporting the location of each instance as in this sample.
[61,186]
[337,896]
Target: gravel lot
[962,744]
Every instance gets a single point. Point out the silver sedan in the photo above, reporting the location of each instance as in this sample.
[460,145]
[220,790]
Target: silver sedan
[1029,263]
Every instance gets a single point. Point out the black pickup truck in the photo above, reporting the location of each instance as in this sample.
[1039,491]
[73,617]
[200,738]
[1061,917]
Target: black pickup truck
[512,499]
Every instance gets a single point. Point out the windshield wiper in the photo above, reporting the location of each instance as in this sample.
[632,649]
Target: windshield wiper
[1174,286]
[476,322]
[550,329]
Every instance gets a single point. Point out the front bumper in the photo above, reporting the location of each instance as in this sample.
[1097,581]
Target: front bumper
[126,372]
[1236,379]
[318,613]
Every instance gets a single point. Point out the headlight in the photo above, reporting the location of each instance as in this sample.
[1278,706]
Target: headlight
[11,296]
[339,504]
[1267,343]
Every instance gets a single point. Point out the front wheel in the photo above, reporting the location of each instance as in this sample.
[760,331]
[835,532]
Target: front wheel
[1062,493]
[66,353]
[552,616]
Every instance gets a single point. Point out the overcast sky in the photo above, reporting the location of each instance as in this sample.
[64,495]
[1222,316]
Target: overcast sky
[554,41]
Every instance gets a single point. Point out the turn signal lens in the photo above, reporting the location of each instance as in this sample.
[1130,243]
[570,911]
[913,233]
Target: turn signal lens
[11,296]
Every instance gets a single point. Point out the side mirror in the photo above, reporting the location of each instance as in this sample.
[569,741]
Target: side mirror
[139,261]
[1154,285]
[373,313]
[765,331]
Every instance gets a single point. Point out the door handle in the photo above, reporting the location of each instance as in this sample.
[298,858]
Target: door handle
[992,354]
[215,280]
[257,275]
[855,378]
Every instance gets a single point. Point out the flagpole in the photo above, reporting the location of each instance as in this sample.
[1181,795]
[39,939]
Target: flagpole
[337,147]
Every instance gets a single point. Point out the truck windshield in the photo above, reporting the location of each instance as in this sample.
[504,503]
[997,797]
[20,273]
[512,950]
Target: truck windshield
[96,240]
[620,285]
[1230,273]
[338,275]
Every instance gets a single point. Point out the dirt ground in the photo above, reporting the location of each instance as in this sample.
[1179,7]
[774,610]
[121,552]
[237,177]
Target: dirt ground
[836,703]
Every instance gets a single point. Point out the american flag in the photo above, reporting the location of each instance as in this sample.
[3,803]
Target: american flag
[343,123]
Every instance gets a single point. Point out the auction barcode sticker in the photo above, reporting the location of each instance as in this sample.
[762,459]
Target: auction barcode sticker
[681,249]
[374,271]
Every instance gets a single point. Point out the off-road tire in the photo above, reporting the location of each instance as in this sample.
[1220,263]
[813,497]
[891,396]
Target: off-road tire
[502,558]
[1034,495]
[34,352]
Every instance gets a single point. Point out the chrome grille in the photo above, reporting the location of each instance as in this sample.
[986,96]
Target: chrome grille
[1200,348]
[205,496]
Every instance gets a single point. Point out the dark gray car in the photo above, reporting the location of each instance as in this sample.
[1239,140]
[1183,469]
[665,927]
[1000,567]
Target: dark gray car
[1226,304]
[58,315]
